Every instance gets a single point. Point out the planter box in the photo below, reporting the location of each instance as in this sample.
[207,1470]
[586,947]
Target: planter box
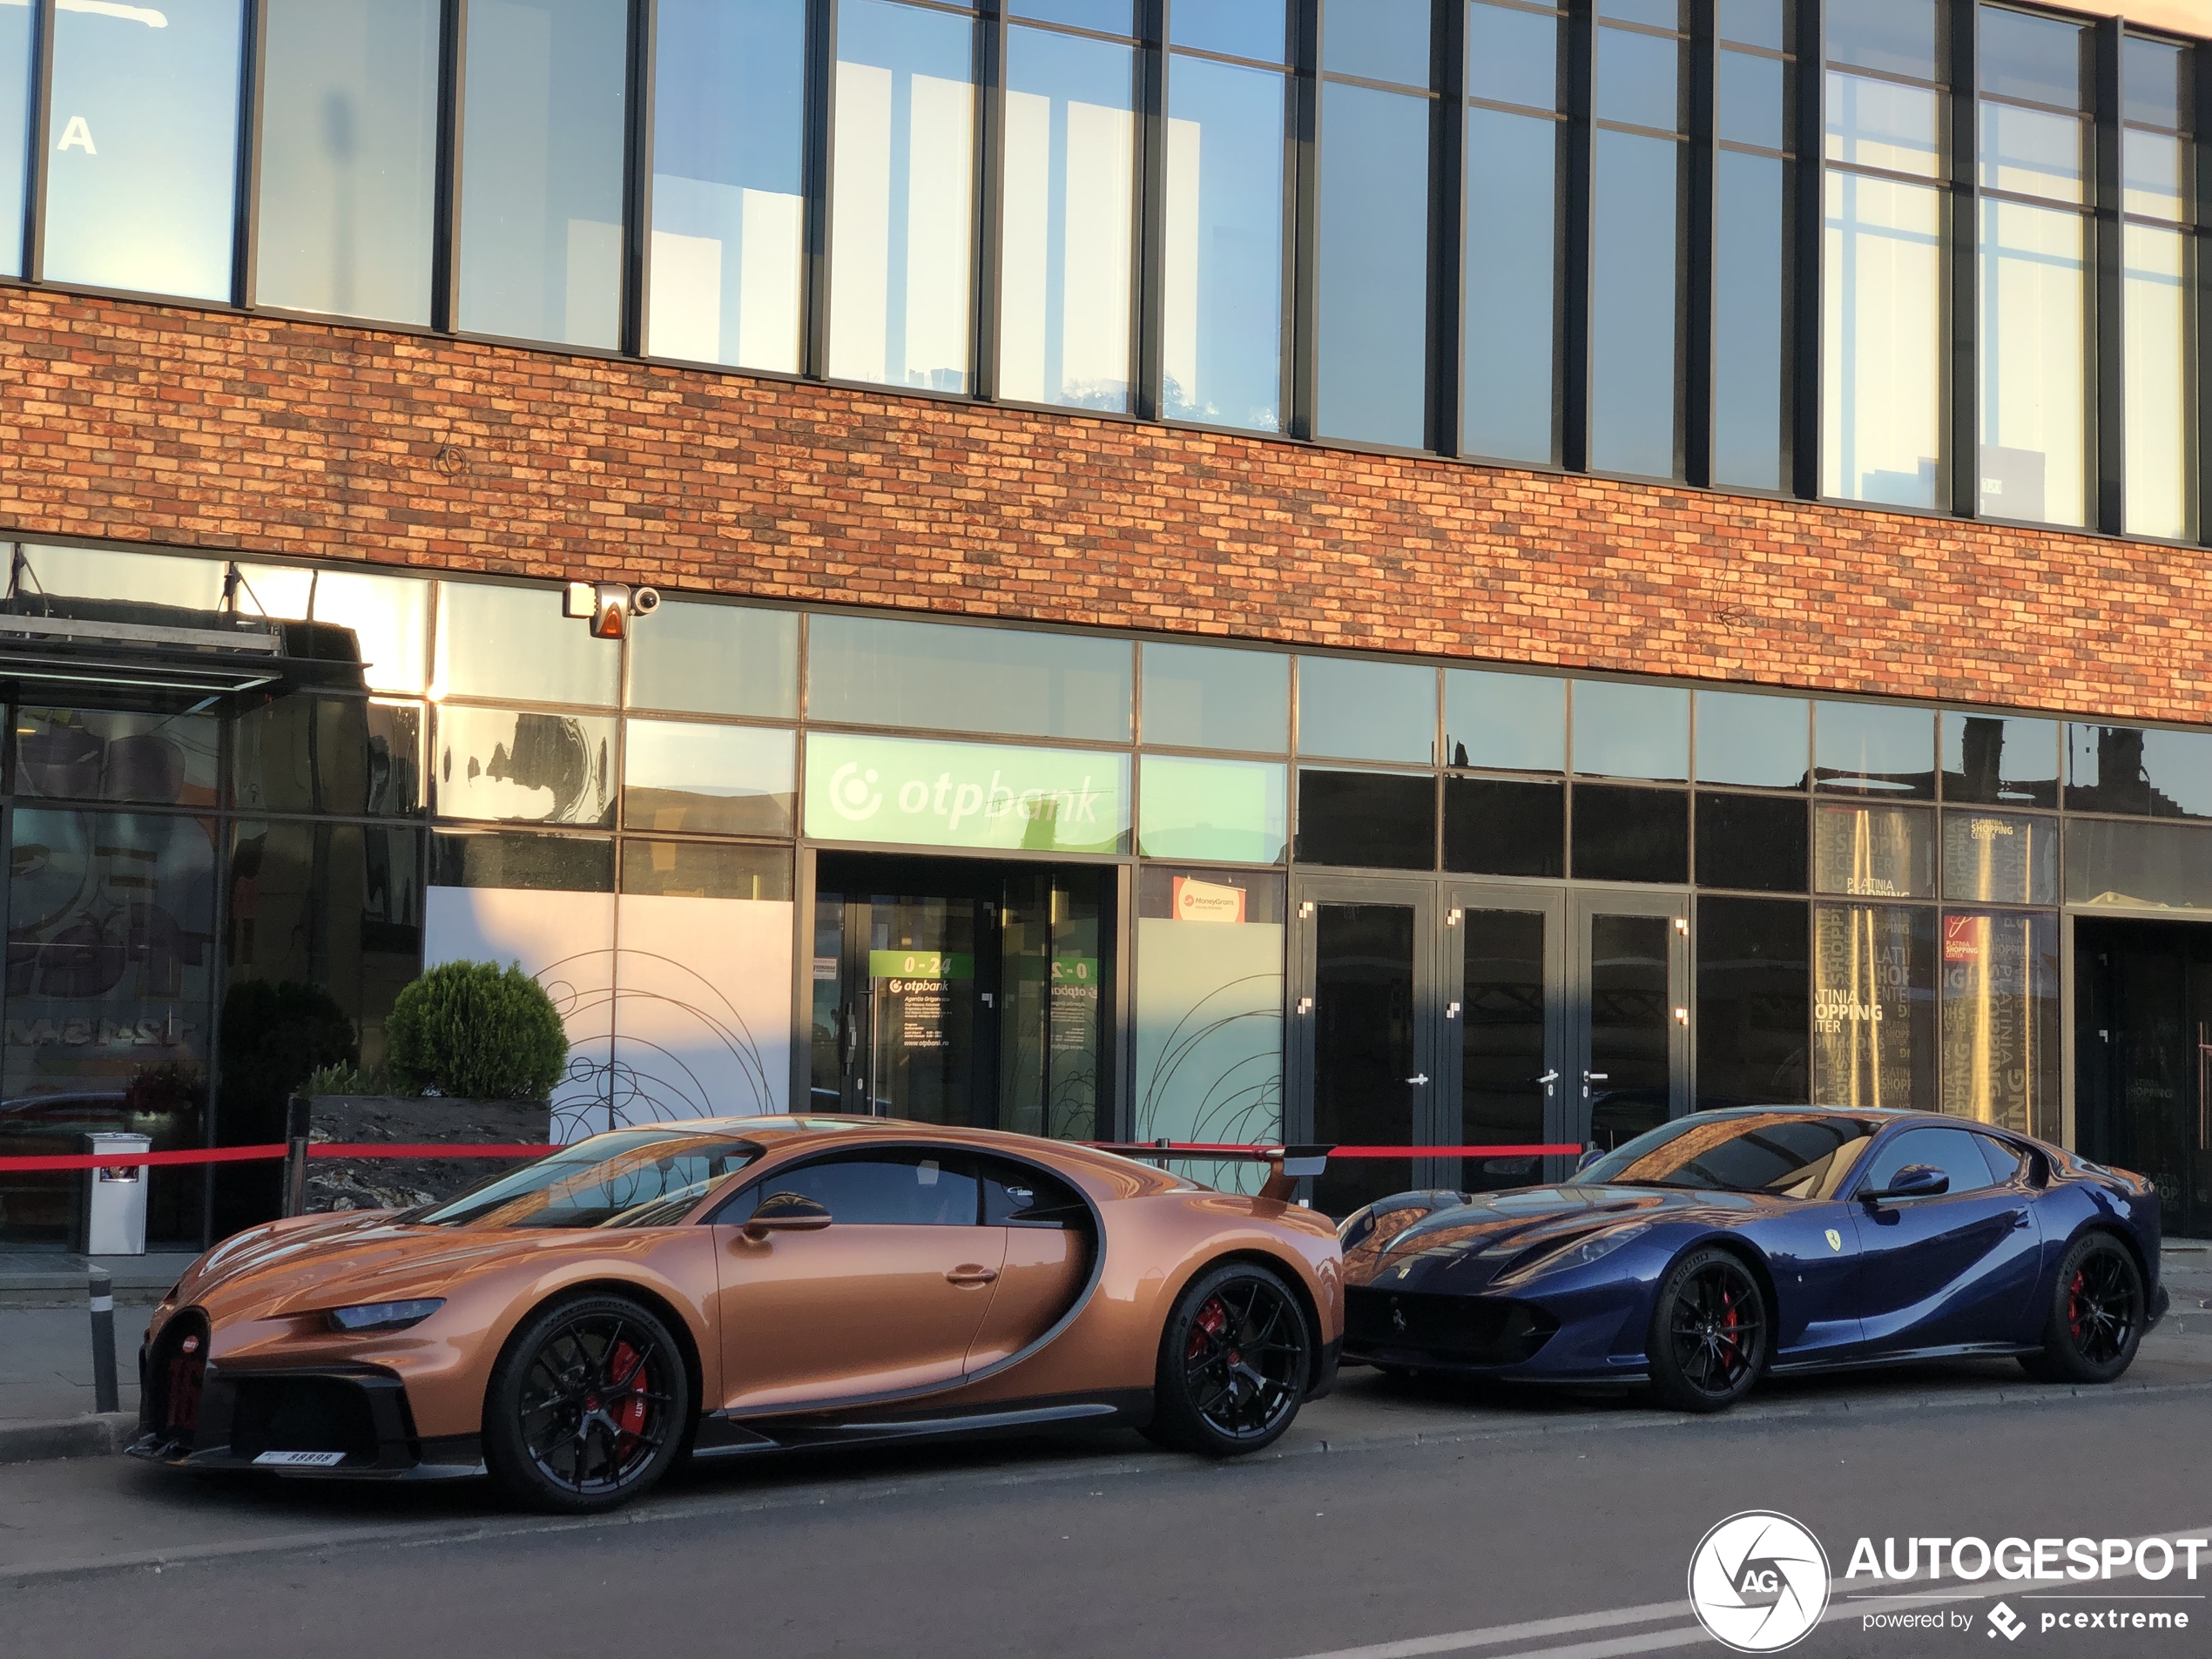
[398,1184]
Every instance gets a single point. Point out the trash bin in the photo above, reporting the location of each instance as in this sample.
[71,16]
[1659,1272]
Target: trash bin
[115,1199]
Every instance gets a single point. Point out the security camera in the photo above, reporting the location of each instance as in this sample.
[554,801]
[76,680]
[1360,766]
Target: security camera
[644,601]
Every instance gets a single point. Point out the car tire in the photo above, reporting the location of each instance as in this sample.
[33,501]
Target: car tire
[1710,1328]
[588,1406]
[1235,1361]
[2095,1318]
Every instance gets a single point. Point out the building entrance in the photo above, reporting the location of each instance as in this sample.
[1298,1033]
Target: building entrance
[2142,1046]
[962,993]
[1461,1013]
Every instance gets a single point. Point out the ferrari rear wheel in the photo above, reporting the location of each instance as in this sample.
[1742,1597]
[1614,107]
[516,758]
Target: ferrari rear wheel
[1709,1332]
[1234,1363]
[587,1407]
[2096,1315]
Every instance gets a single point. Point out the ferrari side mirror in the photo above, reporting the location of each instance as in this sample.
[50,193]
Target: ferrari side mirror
[786,1212]
[1590,1155]
[1914,1181]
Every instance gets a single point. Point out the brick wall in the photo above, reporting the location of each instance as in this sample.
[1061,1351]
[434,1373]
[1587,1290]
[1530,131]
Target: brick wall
[256,434]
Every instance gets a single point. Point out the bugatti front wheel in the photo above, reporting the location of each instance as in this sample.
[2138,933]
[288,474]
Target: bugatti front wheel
[2096,1315]
[1709,1332]
[588,1405]
[1234,1363]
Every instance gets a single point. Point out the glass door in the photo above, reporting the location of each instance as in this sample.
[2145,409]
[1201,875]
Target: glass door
[1631,1070]
[1364,1023]
[1505,1033]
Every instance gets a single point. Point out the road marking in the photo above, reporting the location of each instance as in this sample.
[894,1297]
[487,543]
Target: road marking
[1849,1599]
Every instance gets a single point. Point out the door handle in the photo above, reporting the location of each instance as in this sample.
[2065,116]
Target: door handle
[971,1275]
[1420,1077]
[1595,1077]
[1548,1079]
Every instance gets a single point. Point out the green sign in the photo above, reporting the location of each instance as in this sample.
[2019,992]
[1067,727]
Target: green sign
[911,792]
[920,964]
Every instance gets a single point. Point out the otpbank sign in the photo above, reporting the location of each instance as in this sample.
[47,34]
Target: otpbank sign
[983,796]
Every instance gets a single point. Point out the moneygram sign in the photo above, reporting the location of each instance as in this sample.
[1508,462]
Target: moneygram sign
[976,796]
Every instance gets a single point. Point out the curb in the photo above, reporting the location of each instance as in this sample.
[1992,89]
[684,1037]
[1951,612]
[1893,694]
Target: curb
[95,1434]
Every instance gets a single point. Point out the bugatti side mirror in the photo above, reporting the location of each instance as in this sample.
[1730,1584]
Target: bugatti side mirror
[786,1212]
[1914,1181]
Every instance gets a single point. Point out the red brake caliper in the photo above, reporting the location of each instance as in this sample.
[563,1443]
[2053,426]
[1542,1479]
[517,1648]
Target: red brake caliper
[1730,1320]
[631,1418]
[1210,1320]
[2073,1305]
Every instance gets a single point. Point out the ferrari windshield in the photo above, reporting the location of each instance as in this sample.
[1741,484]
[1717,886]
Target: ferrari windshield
[1793,1155]
[639,1178]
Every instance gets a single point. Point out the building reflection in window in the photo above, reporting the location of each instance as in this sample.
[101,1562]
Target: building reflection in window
[14,128]
[505,766]
[2001,1019]
[1873,1005]
[1873,852]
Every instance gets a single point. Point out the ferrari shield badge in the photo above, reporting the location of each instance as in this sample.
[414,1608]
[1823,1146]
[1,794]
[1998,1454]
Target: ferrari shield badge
[1835,1239]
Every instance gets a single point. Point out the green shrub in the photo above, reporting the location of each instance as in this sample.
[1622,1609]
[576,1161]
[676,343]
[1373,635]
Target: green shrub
[339,1078]
[476,1031]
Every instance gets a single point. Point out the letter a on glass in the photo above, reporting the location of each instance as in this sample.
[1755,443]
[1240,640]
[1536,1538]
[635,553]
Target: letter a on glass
[78,132]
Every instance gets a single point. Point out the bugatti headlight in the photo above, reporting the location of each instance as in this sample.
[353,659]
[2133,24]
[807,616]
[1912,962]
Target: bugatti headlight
[384,1316]
[1583,1252]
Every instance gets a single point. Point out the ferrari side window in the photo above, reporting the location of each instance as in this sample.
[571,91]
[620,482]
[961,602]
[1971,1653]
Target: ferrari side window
[1952,1151]
[1014,1194]
[896,1187]
[2007,1162]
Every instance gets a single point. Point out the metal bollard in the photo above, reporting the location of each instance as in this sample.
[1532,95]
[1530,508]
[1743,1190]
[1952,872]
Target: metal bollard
[295,1156]
[104,1397]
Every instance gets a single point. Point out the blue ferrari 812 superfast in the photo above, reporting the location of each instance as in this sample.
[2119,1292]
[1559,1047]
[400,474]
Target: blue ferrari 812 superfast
[1727,1245]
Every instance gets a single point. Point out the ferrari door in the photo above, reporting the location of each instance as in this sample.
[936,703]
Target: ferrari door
[885,1300]
[1955,1269]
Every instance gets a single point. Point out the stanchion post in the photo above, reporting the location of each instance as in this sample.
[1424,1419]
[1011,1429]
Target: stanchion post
[295,1156]
[102,1298]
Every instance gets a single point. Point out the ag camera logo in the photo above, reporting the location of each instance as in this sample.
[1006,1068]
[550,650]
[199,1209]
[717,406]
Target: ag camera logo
[1758,1582]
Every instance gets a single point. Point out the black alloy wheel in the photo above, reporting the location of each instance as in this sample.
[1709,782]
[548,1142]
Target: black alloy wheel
[1709,1332]
[2096,1315]
[1234,1363]
[588,1405]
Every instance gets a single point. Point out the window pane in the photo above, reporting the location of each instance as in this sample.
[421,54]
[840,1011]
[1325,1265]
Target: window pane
[1631,834]
[2164,865]
[708,779]
[14,134]
[142,148]
[1749,249]
[101,754]
[1754,22]
[1366,711]
[1222,327]
[2155,182]
[1240,28]
[2020,55]
[503,765]
[1754,841]
[2156,83]
[1881,341]
[2033,401]
[1632,304]
[1382,40]
[1659,13]
[1511,307]
[304,754]
[1746,738]
[515,642]
[705,870]
[1511,722]
[1373,276]
[388,616]
[518,859]
[1504,827]
[901,196]
[2001,858]
[1382,820]
[729,129]
[1997,761]
[139,578]
[1874,750]
[1751,99]
[1880,124]
[952,678]
[541,170]
[2160,432]
[349,154]
[1200,697]
[2149,773]
[1873,1005]
[2000,1021]
[1754,985]
[1229,810]
[1512,57]
[1631,731]
[1105,16]
[2031,152]
[1067,209]
[1638,79]
[717,659]
[1873,852]
[1899,36]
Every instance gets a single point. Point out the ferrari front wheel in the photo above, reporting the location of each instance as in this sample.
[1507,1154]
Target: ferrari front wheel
[587,1405]
[1234,1363]
[2095,1319]
[1709,1332]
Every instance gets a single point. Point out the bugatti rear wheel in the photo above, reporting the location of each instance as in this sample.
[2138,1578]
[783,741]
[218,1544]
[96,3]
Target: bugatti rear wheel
[1234,1363]
[2096,1316]
[1709,1332]
[588,1405]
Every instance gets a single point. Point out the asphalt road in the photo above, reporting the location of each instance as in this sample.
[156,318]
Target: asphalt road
[1436,1520]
